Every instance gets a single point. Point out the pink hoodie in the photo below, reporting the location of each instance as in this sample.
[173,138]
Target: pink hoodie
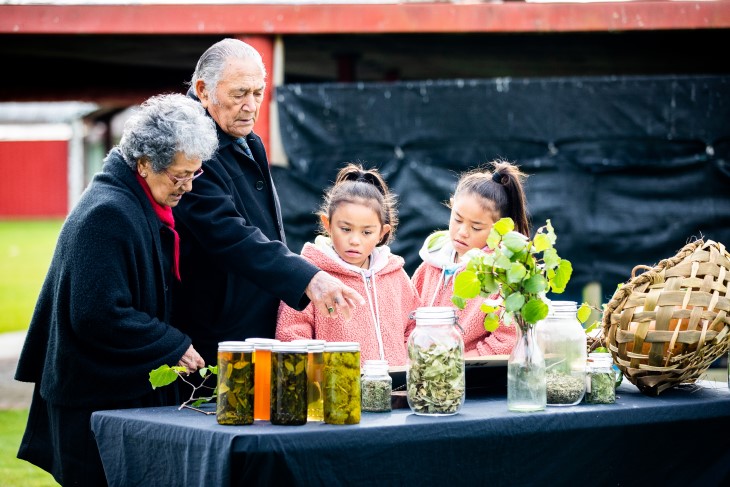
[434,280]
[381,326]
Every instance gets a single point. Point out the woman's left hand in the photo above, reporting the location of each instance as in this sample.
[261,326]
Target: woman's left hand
[191,360]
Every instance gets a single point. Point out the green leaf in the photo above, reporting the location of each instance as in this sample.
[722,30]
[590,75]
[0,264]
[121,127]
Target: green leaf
[162,376]
[491,322]
[542,242]
[504,225]
[467,285]
[489,285]
[458,301]
[515,242]
[516,273]
[562,276]
[493,239]
[514,302]
[536,284]
[584,312]
[550,232]
[534,310]
[502,262]
[486,308]
[551,258]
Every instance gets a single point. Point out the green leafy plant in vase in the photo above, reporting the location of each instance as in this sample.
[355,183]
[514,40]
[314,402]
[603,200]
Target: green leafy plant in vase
[521,271]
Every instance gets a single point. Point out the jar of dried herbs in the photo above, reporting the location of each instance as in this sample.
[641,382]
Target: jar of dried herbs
[562,339]
[315,378]
[235,400]
[435,379]
[377,385]
[342,401]
[601,382]
[289,384]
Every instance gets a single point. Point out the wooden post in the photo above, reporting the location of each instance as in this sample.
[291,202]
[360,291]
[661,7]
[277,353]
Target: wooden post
[264,44]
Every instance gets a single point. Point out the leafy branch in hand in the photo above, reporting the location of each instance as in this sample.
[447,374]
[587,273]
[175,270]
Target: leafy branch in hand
[165,375]
[515,269]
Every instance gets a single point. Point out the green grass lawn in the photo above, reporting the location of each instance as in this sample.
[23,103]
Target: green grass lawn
[14,472]
[26,248]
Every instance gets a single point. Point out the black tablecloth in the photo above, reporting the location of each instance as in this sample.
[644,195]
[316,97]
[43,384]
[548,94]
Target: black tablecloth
[678,438]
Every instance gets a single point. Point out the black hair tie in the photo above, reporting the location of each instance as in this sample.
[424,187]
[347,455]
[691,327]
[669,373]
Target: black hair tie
[497,178]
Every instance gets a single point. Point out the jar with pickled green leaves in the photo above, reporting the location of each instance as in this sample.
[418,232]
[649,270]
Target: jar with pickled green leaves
[435,372]
[315,378]
[289,384]
[235,400]
[342,383]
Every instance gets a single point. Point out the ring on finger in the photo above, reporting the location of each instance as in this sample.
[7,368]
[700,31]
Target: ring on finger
[330,309]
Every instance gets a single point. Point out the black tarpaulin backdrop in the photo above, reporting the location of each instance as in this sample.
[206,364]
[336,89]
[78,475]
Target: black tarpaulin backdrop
[628,169]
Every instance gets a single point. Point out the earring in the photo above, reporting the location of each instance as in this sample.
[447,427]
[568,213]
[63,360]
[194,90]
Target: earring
[143,174]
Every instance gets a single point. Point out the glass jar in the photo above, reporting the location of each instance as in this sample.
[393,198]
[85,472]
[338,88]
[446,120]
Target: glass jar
[562,339]
[435,378]
[289,384]
[342,383]
[377,385]
[235,400]
[262,376]
[601,381]
[315,378]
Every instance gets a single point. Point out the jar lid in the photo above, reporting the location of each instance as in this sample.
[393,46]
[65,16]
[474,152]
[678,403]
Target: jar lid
[600,357]
[376,362]
[309,341]
[342,347]
[262,343]
[233,346]
[435,313]
[562,306]
[290,347]
[262,340]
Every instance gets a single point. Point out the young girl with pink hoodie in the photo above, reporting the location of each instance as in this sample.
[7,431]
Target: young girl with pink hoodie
[358,219]
[481,199]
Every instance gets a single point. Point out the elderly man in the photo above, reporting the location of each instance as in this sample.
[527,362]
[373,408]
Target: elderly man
[235,266]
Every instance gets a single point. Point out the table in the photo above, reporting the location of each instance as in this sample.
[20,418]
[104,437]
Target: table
[677,438]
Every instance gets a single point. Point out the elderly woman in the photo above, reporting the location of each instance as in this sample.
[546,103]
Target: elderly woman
[101,323]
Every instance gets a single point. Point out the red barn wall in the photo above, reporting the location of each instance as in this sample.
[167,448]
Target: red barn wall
[33,179]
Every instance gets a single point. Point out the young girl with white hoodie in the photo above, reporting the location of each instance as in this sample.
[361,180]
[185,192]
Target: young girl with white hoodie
[480,200]
[358,219]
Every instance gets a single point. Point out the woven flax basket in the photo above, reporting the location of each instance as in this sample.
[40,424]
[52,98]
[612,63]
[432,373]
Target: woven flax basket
[667,325]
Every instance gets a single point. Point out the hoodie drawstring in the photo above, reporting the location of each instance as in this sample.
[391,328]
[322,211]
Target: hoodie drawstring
[374,310]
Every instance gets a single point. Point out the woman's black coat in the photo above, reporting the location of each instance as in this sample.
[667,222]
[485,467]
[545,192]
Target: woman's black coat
[101,322]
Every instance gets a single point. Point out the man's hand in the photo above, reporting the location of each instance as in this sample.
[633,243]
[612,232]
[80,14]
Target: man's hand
[331,297]
[191,360]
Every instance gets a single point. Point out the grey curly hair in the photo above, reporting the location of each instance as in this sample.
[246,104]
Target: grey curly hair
[165,125]
[211,64]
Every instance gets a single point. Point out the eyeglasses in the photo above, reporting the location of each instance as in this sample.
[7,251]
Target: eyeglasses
[178,182]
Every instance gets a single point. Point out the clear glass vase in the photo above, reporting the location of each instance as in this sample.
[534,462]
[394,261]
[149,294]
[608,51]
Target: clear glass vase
[526,386]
